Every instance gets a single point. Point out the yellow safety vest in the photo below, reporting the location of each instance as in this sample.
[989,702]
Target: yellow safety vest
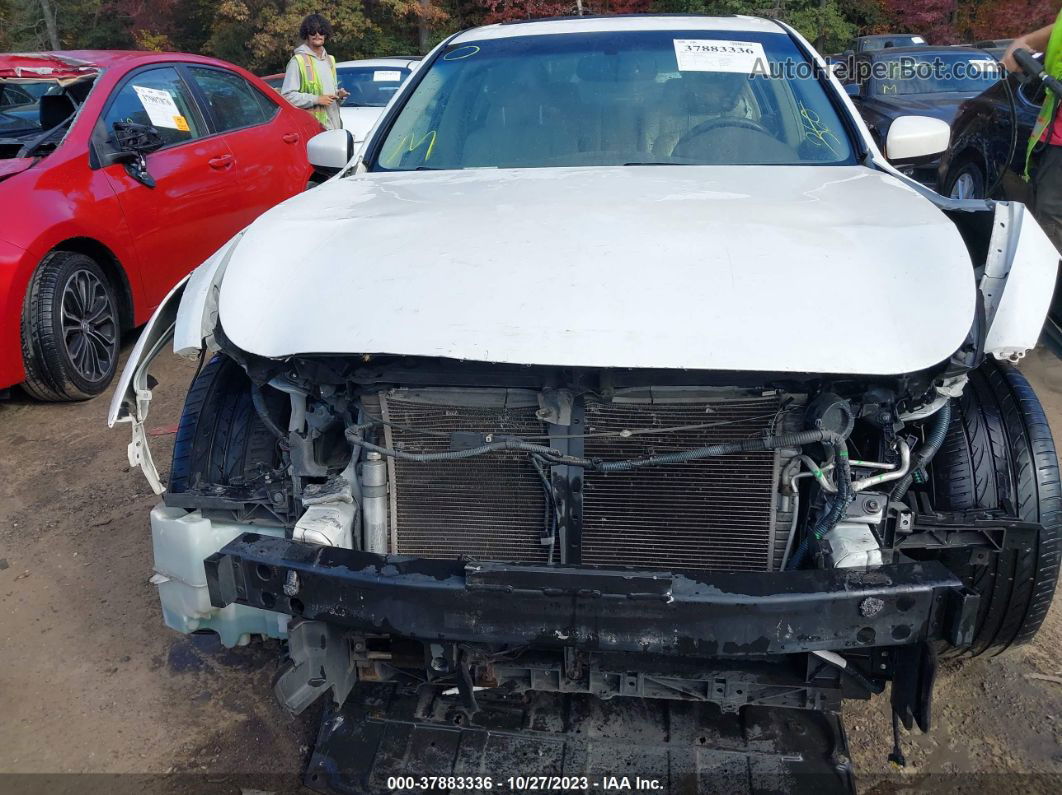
[309,83]
[1053,66]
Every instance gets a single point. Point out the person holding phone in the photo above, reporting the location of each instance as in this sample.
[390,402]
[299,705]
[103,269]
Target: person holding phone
[310,80]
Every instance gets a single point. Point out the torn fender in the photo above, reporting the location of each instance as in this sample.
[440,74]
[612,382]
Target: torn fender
[187,316]
[198,312]
[132,398]
[1018,281]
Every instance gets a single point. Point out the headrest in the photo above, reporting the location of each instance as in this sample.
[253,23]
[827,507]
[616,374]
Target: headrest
[54,108]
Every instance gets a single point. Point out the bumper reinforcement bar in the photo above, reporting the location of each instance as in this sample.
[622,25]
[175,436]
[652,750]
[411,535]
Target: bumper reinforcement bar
[708,614]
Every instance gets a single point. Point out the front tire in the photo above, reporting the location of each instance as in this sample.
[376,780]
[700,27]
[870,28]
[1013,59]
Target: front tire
[999,454]
[966,182]
[70,329]
[221,440]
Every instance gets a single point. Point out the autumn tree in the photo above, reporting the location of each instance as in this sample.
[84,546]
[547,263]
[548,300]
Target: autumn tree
[1003,20]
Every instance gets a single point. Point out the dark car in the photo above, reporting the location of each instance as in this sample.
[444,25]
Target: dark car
[986,158]
[886,40]
[920,81]
[987,139]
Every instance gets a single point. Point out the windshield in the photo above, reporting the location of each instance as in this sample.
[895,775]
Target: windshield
[370,86]
[617,98]
[965,73]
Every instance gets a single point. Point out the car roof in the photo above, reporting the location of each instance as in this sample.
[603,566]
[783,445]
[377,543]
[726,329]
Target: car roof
[104,59]
[603,24]
[385,61]
[923,51]
[883,36]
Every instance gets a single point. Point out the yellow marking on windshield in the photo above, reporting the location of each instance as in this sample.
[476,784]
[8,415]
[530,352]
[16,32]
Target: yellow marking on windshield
[461,53]
[407,144]
[818,133]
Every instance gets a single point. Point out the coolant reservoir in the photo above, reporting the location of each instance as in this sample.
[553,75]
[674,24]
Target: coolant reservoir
[181,540]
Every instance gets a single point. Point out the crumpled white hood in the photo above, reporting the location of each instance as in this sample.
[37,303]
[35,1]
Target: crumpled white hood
[786,269]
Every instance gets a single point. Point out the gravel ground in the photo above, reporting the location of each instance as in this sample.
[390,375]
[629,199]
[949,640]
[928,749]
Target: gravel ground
[92,682]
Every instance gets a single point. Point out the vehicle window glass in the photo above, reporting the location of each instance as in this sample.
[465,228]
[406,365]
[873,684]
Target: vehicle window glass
[233,102]
[370,86]
[156,98]
[14,94]
[617,98]
[937,73]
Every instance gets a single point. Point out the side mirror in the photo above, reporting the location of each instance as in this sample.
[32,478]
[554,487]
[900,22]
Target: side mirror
[132,142]
[854,90]
[133,139]
[331,150]
[916,138]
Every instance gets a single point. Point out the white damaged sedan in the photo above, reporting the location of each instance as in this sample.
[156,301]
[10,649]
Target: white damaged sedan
[618,354]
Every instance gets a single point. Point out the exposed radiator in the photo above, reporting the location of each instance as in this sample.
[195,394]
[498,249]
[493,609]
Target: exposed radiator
[710,514]
[490,508]
[716,513]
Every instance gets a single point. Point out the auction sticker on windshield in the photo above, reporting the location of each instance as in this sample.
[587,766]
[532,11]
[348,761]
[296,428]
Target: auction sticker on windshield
[386,77]
[160,107]
[714,55]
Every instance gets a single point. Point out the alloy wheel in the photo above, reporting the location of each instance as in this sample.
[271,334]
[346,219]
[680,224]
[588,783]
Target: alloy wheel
[90,325]
[964,187]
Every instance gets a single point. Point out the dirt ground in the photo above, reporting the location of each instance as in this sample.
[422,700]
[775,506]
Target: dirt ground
[92,682]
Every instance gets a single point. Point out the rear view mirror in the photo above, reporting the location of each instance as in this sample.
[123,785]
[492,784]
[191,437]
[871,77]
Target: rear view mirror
[915,138]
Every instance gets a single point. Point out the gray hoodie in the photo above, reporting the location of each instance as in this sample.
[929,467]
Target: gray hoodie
[293,82]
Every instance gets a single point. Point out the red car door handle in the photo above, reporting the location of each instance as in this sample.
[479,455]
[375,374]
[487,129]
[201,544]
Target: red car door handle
[290,138]
[220,162]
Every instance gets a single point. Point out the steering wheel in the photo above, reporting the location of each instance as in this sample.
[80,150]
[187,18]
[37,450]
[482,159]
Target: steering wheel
[725,121]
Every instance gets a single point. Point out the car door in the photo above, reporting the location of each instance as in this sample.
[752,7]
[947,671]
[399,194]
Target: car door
[270,150]
[194,206]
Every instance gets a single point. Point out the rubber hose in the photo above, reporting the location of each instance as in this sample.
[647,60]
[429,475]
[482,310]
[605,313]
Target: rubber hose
[726,448]
[934,439]
[831,516]
[258,399]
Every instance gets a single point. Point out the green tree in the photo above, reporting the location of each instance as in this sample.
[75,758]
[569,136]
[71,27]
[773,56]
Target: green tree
[261,34]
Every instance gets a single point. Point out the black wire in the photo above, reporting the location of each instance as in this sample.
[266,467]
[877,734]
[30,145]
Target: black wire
[1013,140]
[552,521]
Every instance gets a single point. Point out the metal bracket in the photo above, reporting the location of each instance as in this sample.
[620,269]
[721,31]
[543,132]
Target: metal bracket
[320,660]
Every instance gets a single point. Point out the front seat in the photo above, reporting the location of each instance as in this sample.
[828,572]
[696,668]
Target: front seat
[693,99]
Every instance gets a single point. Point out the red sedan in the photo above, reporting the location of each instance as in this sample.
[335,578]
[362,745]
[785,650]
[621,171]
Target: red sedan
[119,173]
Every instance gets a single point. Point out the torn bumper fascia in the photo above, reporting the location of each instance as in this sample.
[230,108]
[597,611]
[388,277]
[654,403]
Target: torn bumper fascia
[187,316]
[1018,282]
[132,398]
[704,614]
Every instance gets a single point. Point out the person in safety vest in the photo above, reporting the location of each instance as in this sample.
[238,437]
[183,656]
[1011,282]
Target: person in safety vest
[1043,156]
[310,79]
